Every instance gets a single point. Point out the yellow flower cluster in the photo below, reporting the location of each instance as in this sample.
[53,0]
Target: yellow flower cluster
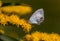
[21,10]
[39,36]
[14,19]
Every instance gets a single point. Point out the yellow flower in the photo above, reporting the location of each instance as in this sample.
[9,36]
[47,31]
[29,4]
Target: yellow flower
[54,36]
[36,36]
[25,9]
[28,37]
[14,19]
[1,16]
[40,36]
[27,27]
[3,19]
[21,10]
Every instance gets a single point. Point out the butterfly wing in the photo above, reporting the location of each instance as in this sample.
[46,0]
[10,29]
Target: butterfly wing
[37,17]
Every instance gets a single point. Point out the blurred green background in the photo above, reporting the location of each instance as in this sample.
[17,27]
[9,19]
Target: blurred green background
[51,12]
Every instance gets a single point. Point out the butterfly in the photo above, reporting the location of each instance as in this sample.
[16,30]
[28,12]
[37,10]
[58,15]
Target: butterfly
[37,17]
